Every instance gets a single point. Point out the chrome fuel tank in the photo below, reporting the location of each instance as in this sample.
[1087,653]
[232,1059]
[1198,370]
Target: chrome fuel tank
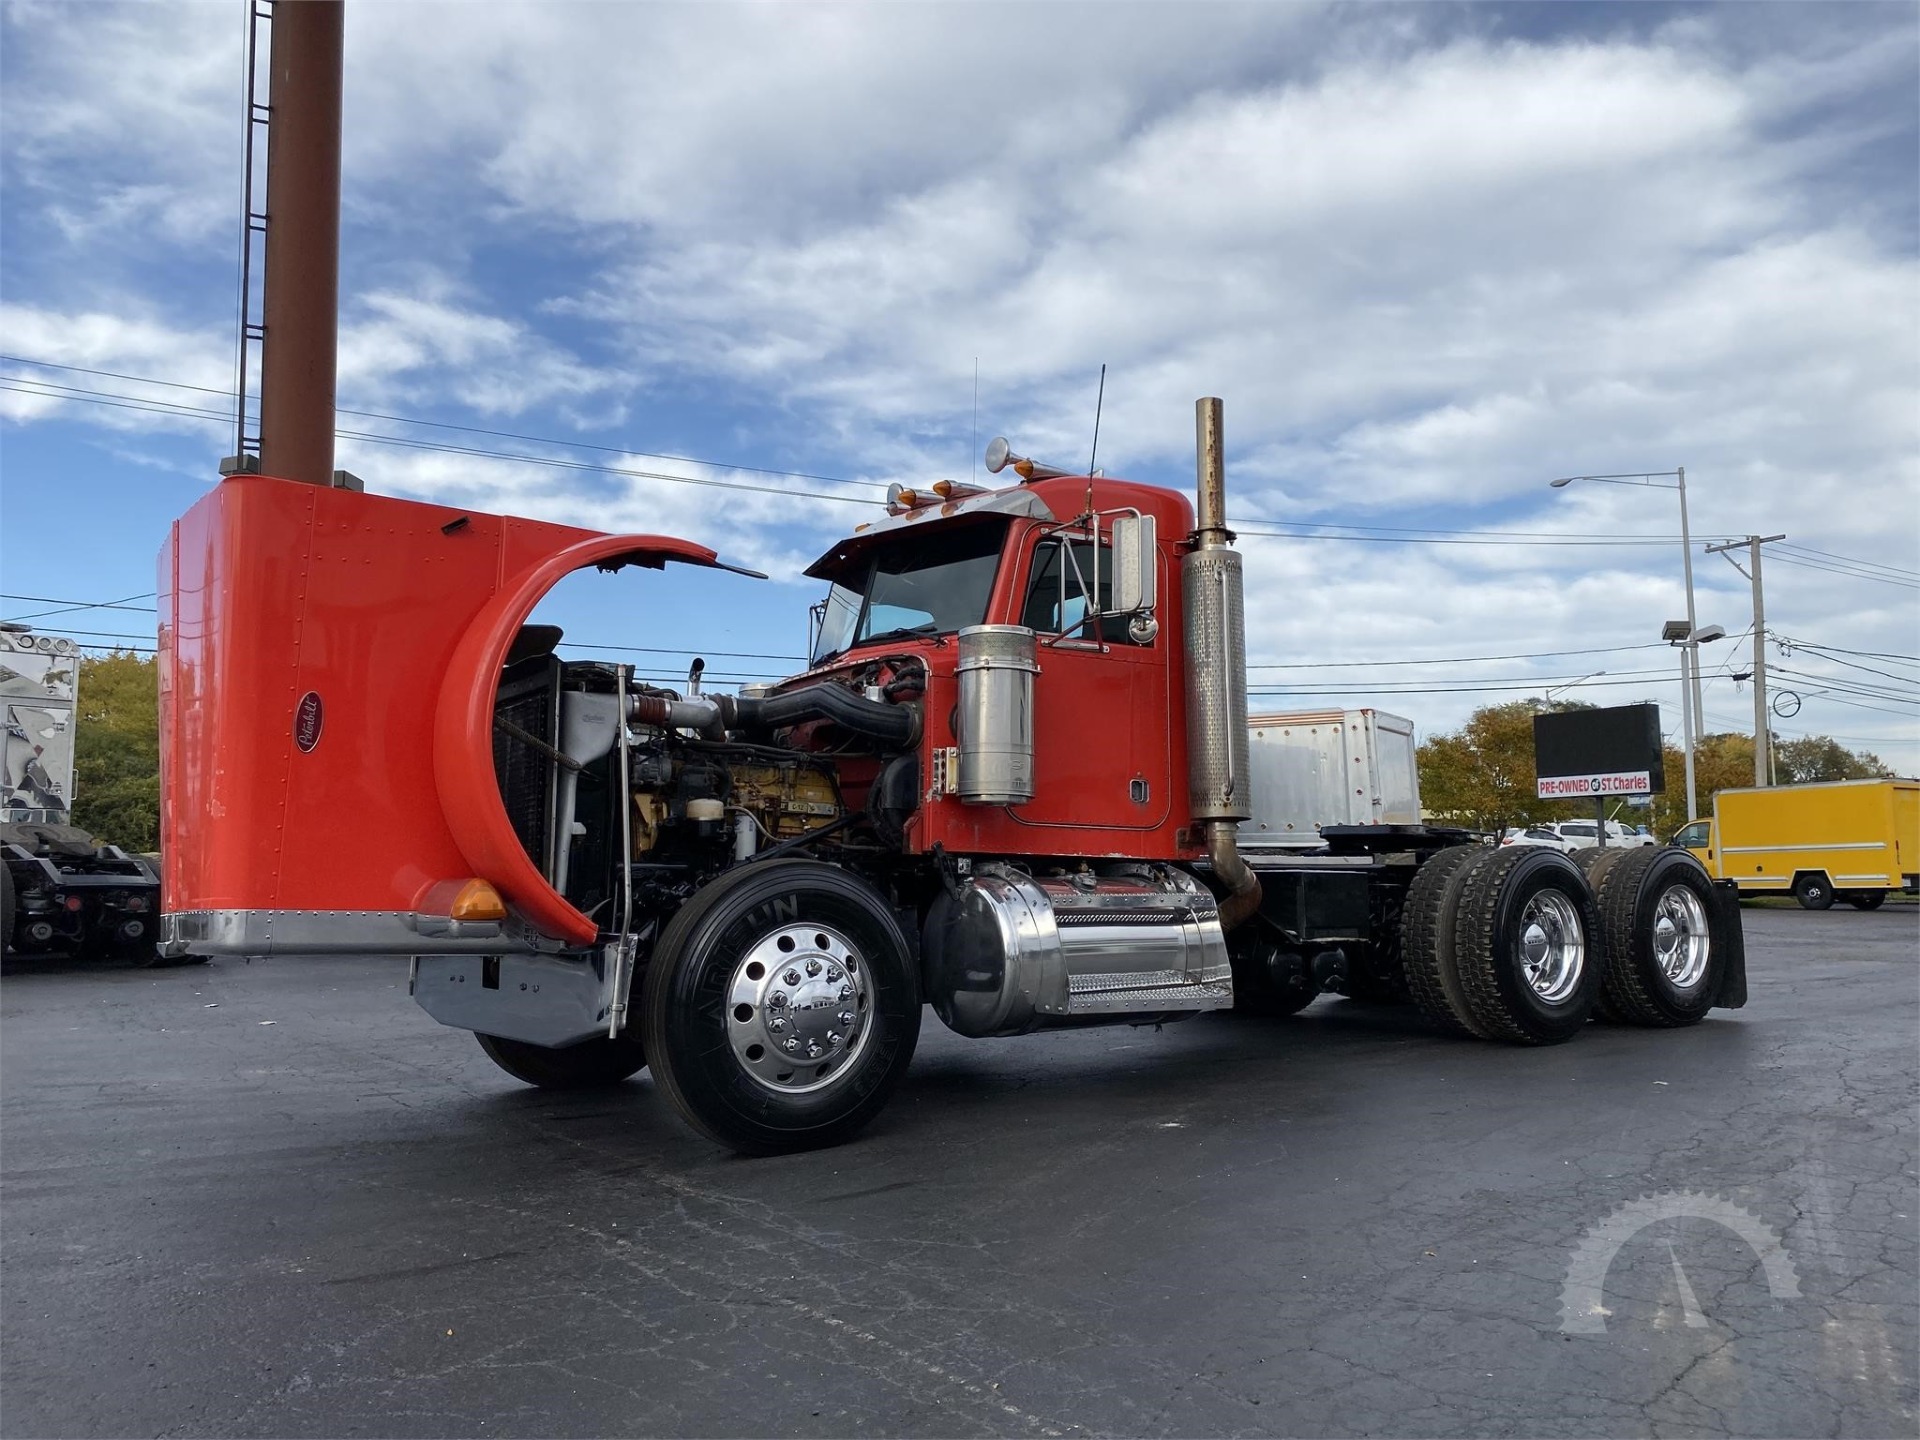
[1012,953]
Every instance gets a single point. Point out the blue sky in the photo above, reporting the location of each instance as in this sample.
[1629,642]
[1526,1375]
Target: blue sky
[1430,256]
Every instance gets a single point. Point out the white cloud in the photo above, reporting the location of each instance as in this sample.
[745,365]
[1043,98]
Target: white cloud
[108,112]
[1427,269]
[412,349]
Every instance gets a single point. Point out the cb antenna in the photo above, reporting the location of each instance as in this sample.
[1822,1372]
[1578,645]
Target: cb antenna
[1099,400]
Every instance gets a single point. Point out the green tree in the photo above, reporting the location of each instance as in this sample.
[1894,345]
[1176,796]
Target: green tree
[1821,757]
[116,751]
[1482,776]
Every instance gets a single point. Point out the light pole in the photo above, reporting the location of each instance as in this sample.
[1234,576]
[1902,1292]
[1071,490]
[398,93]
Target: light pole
[1690,706]
[1681,635]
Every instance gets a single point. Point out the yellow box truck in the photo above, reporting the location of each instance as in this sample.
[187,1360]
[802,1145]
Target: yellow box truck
[1851,840]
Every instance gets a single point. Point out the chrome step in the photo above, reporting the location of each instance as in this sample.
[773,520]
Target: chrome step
[1145,992]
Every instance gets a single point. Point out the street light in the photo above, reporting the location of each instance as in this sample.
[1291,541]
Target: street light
[1650,479]
[1681,635]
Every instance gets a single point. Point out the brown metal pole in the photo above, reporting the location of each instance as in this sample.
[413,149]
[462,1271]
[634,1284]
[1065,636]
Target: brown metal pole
[301,306]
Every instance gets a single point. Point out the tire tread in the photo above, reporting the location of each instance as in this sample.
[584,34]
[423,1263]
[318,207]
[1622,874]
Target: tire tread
[1630,999]
[1427,956]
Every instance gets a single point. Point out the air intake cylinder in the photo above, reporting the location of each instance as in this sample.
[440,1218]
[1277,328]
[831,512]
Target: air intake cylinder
[995,730]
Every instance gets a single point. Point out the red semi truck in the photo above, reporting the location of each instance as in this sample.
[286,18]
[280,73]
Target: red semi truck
[1008,786]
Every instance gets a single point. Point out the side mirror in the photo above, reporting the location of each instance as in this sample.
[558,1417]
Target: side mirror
[1135,563]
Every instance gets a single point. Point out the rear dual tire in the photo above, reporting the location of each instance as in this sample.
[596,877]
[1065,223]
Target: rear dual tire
[1502,944]
[1433,901]
[1664,964]
[1525,946]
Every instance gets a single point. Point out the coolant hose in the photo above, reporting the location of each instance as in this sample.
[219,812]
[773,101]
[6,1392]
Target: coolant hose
[895,726]
[1243,886]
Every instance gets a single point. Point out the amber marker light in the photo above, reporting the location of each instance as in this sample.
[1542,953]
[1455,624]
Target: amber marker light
[478,900]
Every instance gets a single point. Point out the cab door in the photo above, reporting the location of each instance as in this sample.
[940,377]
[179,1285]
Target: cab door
[1697,837]
[1101,713]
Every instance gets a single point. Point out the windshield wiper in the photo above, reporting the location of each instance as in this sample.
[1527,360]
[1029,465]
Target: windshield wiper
[899,632]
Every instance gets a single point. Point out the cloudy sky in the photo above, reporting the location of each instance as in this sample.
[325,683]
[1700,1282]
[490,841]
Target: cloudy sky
[1431,257]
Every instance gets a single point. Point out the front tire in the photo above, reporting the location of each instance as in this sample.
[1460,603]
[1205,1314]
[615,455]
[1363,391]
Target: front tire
[1524,941]
[1814,892]
[591,1065]
[781,1007]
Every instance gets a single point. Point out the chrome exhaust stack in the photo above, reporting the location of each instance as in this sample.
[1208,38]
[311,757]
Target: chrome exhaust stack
[1218,787]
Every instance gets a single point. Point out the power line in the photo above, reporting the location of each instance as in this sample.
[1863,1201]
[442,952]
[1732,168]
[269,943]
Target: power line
[440,447]
[106,634]
[66,606]
[1463,537]
[1452,659]
[1849,686]
[1851,574]
[434,424]
[1303,530]
[659,650]
[1856,665]
[1849,560]
[1645,679]
[1788,642]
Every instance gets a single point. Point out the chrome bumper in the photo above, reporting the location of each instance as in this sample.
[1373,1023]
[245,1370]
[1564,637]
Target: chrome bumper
[340,932]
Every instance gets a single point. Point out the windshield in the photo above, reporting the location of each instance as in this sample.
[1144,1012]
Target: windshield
[931,583]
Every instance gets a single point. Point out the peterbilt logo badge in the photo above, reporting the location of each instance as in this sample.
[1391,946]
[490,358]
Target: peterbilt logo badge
[306,722]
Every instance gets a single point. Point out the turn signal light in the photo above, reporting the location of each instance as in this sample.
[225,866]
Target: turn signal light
[478,900]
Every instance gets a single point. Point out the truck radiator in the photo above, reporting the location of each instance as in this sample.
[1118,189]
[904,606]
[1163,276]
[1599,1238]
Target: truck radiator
[529,700]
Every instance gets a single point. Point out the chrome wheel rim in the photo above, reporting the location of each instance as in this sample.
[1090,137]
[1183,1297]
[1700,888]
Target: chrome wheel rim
[798,1009]
[1552,946]
[1682,944]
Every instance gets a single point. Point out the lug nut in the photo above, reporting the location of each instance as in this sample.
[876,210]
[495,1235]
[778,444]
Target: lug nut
[846,992]
[792,977]
[813,1049]
[777,1000]
[846,1017]
[833,977]
[813,967]
[776,1025]
[834,1037]
[790,1044]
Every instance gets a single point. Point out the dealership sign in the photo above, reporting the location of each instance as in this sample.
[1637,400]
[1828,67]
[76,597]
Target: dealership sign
[1584,753]
[1568,787]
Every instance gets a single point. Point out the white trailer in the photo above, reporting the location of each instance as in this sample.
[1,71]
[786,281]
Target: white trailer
[1313,768]
[39,681]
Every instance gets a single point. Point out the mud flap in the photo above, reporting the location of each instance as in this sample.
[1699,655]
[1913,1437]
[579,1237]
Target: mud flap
[1731,941]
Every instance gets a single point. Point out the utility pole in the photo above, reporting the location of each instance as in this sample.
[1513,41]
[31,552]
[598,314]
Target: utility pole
[1762,734]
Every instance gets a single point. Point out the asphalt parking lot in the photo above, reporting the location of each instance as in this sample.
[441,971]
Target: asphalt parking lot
[277,1199]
